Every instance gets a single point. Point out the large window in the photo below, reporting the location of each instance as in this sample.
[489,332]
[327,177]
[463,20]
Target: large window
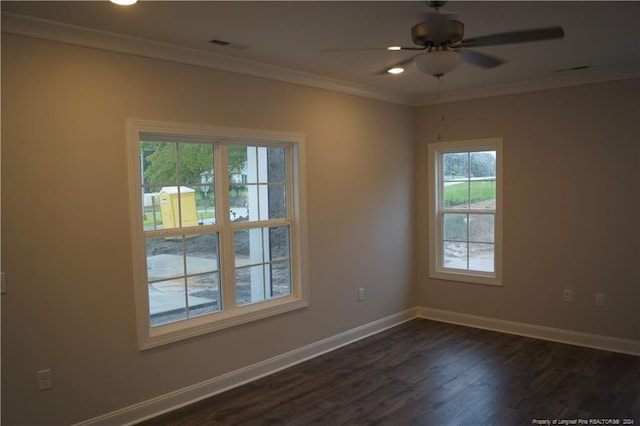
[465,218]
[218,227]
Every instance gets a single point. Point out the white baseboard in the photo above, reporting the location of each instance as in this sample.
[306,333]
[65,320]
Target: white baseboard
[595,341]
[182,397]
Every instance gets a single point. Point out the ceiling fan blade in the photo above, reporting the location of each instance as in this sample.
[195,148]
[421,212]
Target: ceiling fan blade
[402,63]
[523,36]
[480,59]
[350,49]
[359,49]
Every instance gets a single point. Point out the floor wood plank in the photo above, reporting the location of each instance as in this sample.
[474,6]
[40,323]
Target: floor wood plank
[431,373]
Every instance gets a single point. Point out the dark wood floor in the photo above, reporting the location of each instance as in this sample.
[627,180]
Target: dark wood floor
[431,373]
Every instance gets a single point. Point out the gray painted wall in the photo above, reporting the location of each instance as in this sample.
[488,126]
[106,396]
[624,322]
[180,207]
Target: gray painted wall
[571,207]
[67,242]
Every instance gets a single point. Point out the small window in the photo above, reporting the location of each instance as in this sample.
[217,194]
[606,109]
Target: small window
[465,218]
[218,228]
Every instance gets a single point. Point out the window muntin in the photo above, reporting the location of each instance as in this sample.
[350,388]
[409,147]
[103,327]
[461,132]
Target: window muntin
[199,270]
[465,222]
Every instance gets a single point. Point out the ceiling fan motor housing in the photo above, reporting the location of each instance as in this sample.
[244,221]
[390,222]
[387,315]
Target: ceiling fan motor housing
[452,34]
[437,4]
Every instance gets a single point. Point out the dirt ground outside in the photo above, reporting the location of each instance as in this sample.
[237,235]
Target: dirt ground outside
[205,286]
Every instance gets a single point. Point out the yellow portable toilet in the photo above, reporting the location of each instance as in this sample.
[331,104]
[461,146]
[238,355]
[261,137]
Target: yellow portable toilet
[170,207]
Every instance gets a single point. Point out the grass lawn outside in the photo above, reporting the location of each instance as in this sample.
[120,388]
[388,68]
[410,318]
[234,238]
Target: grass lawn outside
[468,192]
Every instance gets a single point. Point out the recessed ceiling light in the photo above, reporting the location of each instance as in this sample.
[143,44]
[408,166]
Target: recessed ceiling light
[395,70]
[394,48]
[124,2]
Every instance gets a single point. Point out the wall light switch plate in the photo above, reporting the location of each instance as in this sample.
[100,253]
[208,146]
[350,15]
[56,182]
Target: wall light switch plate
[45,380]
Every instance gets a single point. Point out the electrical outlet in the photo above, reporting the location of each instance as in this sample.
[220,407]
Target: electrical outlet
[568,295]
[44,379]
[599,299]
[360,294]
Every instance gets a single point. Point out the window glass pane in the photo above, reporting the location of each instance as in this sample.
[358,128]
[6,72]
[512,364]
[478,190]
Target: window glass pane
[202,253]
[205,198]
[164,258]
[248,244]
[241,160]
[151,210]
[483,164]
[204,294]
[280,279]
[276,164]
[481,228]
[262,203]
[237,162]
[278,242]
[277,201]
[483,194]
[277,173]
[455,166]
[257,202]
[196,163]
[262,164]
[454,255]
[238,203]
[481,257]
[167,302]
[206,205]
[454,227]
[249,285]
[159,164]
[456,195]
[241,247]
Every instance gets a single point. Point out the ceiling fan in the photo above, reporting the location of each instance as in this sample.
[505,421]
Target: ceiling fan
[440,41]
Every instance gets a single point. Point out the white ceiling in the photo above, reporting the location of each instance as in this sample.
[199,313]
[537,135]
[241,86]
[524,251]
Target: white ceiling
[291,35]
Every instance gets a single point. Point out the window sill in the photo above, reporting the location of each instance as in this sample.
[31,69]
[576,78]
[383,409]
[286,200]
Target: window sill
[181,330]
[469,278]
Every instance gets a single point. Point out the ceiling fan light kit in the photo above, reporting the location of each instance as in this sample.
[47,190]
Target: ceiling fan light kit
[437,62]
[124,2]
[396,70]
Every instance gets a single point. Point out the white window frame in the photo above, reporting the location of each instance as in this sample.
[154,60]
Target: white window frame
[231,315]
[436,211]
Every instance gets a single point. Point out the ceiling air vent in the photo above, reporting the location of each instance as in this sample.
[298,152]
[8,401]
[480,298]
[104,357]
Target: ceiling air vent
[218,42]
[579,68]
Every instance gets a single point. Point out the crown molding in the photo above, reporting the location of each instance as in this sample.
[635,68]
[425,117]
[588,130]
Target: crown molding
[44,29]
[104,40]
[566,79]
